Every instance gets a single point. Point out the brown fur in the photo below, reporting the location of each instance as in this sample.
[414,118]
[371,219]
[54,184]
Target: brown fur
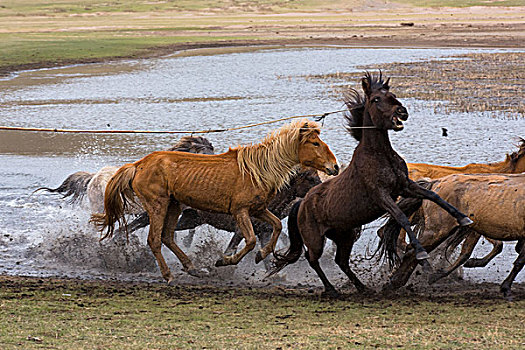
[496,204]
[164,180]
[513,164]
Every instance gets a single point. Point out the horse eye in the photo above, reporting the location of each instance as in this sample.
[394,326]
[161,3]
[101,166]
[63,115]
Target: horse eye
[316,144]
[375,99]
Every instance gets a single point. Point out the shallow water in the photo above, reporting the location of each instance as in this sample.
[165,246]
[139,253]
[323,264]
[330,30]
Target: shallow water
[43,235]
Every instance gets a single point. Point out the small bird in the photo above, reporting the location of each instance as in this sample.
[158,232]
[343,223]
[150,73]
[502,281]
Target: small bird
[444,132]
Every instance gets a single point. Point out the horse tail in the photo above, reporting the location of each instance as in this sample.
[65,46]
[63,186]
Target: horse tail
[296,243]
[74,186]
[117,197]
[457,234]
[389,232]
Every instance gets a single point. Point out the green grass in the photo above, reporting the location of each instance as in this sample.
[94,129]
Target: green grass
[461,3]
[90,315]
[32,48]
[39,33]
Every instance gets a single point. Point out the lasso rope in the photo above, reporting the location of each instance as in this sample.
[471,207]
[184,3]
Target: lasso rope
[317,117]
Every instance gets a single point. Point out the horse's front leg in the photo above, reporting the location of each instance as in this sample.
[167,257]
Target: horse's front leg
[391,207]
[273,220]
[245,225]
[414,190]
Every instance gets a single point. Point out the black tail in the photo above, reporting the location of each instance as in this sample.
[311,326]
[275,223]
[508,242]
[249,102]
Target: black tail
[74,186]
[389,232]
[296,243]
[455,237]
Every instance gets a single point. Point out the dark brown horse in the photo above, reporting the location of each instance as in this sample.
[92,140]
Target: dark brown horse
[363,192]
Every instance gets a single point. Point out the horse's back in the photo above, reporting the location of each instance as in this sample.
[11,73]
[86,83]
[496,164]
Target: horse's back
[205,182]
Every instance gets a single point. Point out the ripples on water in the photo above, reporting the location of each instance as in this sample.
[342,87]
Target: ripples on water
[190,93]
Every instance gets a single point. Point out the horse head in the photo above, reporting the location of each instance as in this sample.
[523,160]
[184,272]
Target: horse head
[385,111]
[193,144]
[313,152]
[303,181]
[517,159]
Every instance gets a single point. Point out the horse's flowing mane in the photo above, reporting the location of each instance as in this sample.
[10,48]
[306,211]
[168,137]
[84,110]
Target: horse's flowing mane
[354,116]
[272,162]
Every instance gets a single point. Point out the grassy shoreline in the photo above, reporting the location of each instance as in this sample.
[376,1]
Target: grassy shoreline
[41,34]
[66,314]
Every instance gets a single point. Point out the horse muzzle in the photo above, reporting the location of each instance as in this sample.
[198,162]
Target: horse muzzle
[332,171]
[400,115]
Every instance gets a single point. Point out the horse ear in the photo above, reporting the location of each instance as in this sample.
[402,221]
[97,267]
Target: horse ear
[367,88]
[385,85]
[304,127]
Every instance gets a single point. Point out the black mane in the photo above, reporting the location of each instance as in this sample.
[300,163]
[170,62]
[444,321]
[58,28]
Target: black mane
[354,116]
[376,82]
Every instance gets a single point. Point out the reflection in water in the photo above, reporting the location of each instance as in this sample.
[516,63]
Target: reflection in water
[190,93]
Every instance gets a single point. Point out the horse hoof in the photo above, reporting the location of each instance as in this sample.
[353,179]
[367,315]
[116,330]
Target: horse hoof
[365,290]
[422,255]
[427,268]
[171,281]
[224,261]
[331,294]
[198,272]
[433,278]
[258,257]
[465,221]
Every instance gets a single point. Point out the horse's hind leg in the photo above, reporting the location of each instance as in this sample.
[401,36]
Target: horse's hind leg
[168,233]
[245,225]
[273,220]
[342,256]
[518,266]
[313,254]
[467,248]
[482,262]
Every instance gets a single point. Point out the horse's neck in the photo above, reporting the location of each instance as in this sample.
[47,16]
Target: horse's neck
[499,167]
[376,140]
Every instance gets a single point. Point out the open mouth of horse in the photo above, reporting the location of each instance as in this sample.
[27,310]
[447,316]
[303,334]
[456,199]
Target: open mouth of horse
[397,120]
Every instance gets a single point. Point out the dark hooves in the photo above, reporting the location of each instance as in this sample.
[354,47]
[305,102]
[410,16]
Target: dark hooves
[433,278]
[422,255]
[198,272]
[427,268]
[220,262]
[258,257]
[330,294]
[465,221]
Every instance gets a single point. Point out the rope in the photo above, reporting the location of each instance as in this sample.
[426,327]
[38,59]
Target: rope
[318,117]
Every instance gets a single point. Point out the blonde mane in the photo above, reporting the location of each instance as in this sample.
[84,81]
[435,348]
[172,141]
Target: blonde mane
[272,162]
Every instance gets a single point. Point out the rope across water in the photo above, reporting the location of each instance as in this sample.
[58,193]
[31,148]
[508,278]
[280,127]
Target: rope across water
[318,117]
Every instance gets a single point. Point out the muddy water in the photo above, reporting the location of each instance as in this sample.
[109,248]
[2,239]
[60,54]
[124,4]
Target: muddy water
[44,235]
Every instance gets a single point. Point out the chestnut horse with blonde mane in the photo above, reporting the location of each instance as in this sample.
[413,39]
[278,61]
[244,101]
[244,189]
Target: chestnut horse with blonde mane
[240,182]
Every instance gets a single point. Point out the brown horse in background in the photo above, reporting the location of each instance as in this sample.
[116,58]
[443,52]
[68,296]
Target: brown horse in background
[496,203]
[513,164]
[365,190]
[240,182]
